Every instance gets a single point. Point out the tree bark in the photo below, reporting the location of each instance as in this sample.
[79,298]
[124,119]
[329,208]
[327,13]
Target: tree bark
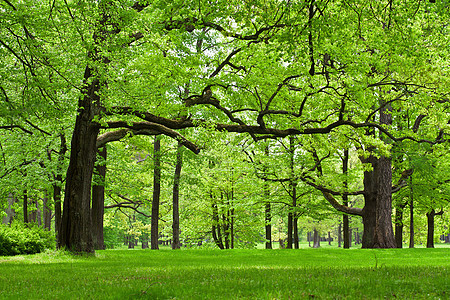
[411,214]
[57,184]
[316,243]
[339,235]
[75,234]
[289,232]
[268,226]
[345,219]
[47,212]
[399,224]
[175,200]
[267,209]
[98,201]
[430,222]
[216,233]
[25,206]
[430,231]
[10,213]
[156,192]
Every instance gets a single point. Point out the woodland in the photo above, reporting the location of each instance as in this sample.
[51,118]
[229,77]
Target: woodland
[226,124]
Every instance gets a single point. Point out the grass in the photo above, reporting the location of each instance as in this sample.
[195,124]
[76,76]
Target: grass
[231,274]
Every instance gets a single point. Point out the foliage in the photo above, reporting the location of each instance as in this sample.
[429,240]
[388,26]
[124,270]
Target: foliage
[24,239]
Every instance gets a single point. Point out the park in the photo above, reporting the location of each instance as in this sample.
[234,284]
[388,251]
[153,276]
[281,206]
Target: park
[224,149]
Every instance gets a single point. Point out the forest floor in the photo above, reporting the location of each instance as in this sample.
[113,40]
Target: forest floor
[229,274]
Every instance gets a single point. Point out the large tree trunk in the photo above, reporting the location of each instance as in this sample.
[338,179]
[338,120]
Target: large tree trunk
[384,233]
[377,212]
[156,192]
[378,231]
[98,201]
[75,233]
[175,200]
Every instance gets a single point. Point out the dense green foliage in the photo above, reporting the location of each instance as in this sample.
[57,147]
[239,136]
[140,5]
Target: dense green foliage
[326,72]
[233,274]
[24,239]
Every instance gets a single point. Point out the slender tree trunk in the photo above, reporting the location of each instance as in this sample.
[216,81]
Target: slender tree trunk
[399,225]
[217,235]
[296,239]
[267,210]
[339,235]
[430,232]
[289,232]
[156,192]
[232,228]
[268,227]
[411,214]
[98,201]
[345,219]
[329,238]
[10,213]
[58,183]
[47,212]
[175,200]
[25,206]
[292,185]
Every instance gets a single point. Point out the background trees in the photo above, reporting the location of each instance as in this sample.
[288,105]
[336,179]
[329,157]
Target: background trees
[366,76]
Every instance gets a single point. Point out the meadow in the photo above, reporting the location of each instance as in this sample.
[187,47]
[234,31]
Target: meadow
[325,273]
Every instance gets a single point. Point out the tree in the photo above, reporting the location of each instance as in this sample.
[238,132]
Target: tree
[301,68]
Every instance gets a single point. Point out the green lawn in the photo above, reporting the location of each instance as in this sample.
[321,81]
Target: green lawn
[231,274]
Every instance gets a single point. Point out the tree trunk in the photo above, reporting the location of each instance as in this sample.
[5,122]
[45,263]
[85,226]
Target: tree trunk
[156,192]
[377,211]
[430,232]
[47,212]
[289,232]
[399,224]
[267,210]
[216,233]
[268,226]
[175,200]
[32,216]
[75,234]
[58,183]
[10,213]
[411,214]
[345,219]
[329,238]
[296,239]
[98,201]
[25,206]
[316,239]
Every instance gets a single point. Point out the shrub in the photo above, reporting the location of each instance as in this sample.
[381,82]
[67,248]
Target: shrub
[22,238]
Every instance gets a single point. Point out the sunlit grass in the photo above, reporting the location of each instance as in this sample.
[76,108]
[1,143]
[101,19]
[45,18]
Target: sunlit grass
[231,274]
